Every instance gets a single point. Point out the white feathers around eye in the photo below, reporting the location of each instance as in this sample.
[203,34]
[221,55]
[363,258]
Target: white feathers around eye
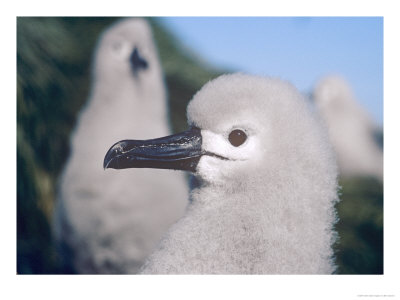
[215,170]
[219,144]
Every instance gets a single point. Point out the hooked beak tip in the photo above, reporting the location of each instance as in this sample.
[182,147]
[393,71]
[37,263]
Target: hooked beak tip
[112,154]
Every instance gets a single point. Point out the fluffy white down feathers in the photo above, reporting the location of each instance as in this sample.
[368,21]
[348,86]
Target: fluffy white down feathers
[269,207]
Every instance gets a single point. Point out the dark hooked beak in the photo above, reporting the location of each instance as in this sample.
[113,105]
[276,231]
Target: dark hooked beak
[137,62]
[180,151]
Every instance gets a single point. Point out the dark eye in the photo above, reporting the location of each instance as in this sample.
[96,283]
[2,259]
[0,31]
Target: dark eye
[237,137]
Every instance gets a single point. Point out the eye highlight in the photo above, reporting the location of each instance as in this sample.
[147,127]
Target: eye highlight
[237,137]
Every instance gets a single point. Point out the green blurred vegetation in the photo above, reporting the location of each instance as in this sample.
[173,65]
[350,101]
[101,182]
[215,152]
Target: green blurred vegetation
[53,80]
[360,247]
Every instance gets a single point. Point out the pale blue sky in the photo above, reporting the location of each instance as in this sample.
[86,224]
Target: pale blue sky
[300,50]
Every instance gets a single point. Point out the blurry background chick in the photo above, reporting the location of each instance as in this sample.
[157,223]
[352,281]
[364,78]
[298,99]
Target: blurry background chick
[353,134]
[108,222]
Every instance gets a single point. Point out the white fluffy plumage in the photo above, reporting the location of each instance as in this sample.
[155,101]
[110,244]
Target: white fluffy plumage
[269,207]
[351,130]
[110,221]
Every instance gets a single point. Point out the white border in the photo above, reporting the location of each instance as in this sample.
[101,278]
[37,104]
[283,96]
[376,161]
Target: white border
[199,287]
